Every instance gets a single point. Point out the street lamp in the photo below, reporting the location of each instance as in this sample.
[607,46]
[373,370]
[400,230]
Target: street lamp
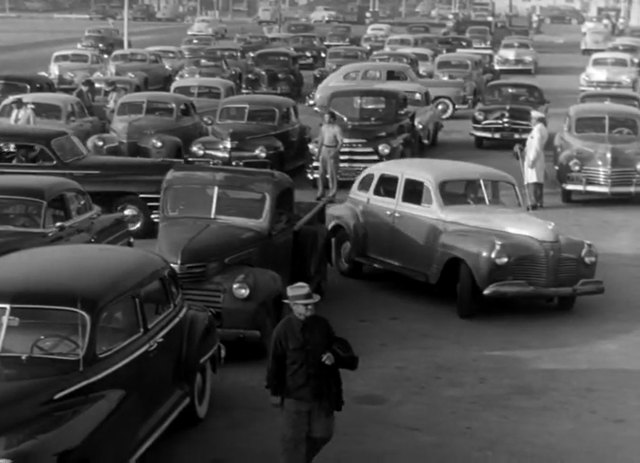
[126,24]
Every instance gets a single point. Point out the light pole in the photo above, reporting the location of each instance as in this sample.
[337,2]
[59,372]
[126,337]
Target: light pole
[6,6]
[126,24]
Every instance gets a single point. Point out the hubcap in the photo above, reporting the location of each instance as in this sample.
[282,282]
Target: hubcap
[133,216]
[345,254]
[443,107]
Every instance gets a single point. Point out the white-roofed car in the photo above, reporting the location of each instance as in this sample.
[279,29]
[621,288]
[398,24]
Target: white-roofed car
[516,55]
[207,25]
[610,70]
[68,68]
[425,57]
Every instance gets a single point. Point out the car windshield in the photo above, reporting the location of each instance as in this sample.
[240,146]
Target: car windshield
[8,89]
[627,101]
[391,59]
[146,108]
[364,108]
[255,114]
[71,58]
[481,192]
[57,333]
[69,148]
[453,64]
[345,54]
[305,41]
[400,41]
[272,59]
[527,94]
[19,212]
[610,62]
[167,54]
[199,91]
[94,39]
[129,57]
[516,46]
[619,126]
[213,202]
[202,41]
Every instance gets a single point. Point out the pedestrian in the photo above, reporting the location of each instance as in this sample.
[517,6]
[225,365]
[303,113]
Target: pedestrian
[534,160]
[85,94]
[303,376]
[21,114]
[330,142]
[113,96]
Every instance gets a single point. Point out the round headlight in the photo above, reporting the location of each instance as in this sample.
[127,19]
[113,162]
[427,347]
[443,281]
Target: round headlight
[131,75]
[589,254]
[69,75]
[157,144]
[261,152]
[240,289]
[575,165]
[384,149]
[282,75]
[100,142]
[198,149]
[479,115]
[638,167]
[323,54]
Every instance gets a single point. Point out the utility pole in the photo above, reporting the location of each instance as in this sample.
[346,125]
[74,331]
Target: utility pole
[230,9]
[6,6]
[404,9]
[125,16]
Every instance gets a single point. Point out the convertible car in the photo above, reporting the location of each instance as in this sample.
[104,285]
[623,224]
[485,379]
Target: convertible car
[205,92]
[461,226]
[105,351]
[275,71]
[598,149]
[610,70]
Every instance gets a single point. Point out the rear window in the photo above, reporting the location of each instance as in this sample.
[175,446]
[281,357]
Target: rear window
[71,58]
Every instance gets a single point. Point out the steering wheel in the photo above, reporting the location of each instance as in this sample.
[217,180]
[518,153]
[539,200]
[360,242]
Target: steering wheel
[42,344]
[622,131]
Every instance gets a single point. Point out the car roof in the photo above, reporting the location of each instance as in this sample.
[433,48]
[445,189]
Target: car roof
[527,83]
[404,54]
[401,36]
[41,187]
[373,65]
[94,275]
[76,51]
[157,96]
[610,54]
[347,47]
[163,47]
[29,133]
[439,170]
[44,97]
[426,51]
[275,100]
[131,50]
[203,81]
[582,109]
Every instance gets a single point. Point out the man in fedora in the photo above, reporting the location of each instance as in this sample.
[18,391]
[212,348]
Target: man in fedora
[303,375]
[534,160]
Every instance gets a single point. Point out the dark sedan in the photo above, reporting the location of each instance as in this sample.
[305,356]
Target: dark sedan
[16,84]
[275,71]
[311,50]
[193,46]
[97,360]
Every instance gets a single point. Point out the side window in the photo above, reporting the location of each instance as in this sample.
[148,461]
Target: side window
[11,153]
[80,110]
[285,117]
[118,323]
[185,110]
[365,183]
[283,209]
[396,75]
[386,186]
[427,98]
[353,75]
[155,59]
[56,212]
[79,203]
[372,74]
[417,193]
[155,301]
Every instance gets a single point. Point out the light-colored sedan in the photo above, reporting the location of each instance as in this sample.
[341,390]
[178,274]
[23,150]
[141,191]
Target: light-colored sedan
[205,92]
[516,55]
[595,40]
[59,111]
[207,25]
[425,57]
[173,57]
[610,70]
[68,68]
[145,65]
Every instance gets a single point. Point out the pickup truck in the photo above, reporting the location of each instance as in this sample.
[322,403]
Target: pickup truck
[236,237]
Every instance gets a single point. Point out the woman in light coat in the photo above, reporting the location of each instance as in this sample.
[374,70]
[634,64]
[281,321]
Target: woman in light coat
[534,162]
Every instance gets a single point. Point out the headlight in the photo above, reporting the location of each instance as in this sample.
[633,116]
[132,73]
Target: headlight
[251,76]
[100,143]
[157,144]
[226,144]
[528,59]
[585,78]
[198,150]
[479,115]
[498,255]
[638,167]
[323,54]
[308,53]
[69,75]
[575,165]
[313,149]
[261,152]
[419,125]
[240,288]
[282,75]
[131,75]
[627,80]
[384,149]
[589,254]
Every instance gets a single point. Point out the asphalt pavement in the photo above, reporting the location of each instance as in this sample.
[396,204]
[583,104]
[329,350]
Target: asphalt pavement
[522,383]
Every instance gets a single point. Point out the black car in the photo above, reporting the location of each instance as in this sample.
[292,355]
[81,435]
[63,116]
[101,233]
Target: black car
[103,44]
[18,84]
[106,351]
[299,28]
[255,131]
[117,184]
[213,65]
[451,43]
[193,46]
[250,43]
[275,71]
[562,16]
[312,52]
[504,114]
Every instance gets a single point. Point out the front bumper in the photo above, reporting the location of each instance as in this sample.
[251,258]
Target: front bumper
[245,160]
[603,189]
[519,288]
[515,66]
[499,134]
[605,86]
[350,166]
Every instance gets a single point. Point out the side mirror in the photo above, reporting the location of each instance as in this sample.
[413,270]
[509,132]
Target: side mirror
[207,120]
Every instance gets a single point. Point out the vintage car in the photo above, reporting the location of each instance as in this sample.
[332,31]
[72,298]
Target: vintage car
[155,125]
[124,84]
[395,41]
[68,68]
[489,71]
[598,150]
[470,68]
[192,47]
[559,15]
[418,29]
[205,92]
[451,43]
[626,46]
[16,84]
[38,210]
[336,58]
[337,39]
[480,36]
[311,50]
[610,70]
[59,111]
[102,44]
[623,97]
[237,237]
[207,25]
[344,29]
[384,30]
[106,349]
[250,43]
[116,184]
[210,66]
[377,124]
[397,57]
[299,28]
[278,40]
[172,57]
[460,226]
[504,113]
[426,60]
[516,55]
[275,71]
[233,54]
[145,65]
[372,42]
[595,40]
[259,131]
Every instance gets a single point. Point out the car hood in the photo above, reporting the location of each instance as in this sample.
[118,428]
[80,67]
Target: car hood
[518,112]
[511,54]
[134,128]
[502,220]
[239,132]
[598,151]
[609,73]
[191,241]
[367,132]
[12,240]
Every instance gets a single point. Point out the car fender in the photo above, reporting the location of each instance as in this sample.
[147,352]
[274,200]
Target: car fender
[140,76]
[347,218]
[271,143]
[103,144]
[200,338]
[468,246]
[170,145]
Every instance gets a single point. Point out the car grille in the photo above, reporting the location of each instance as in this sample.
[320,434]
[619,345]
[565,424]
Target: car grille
[190,272]
[153,203]
[514,61]
[610,177]
[505,125]
[355,156]
[211,297]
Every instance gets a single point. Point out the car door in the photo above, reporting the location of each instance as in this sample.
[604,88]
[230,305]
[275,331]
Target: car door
[82,216]
[157,70]
[377,216]
[415,225]
[188,124]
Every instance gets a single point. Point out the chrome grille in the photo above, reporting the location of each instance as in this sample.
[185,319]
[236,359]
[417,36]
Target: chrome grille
[610,176]
[532,269]
[190,272]
[547,268]
[567,270]
[212,297]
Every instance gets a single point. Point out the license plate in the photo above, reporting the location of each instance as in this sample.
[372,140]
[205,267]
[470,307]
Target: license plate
[507,135]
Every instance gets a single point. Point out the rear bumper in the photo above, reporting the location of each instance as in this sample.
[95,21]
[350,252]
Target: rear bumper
[523,289]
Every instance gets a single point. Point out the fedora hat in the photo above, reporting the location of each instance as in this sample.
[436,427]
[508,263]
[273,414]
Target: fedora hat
[300,293]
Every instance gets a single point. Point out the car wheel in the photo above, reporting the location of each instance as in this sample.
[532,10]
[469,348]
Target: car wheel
[137,213]
[566,196]
[468,297]
[200,393]
[566,303]
[445,106]
[478,142]
[343,256]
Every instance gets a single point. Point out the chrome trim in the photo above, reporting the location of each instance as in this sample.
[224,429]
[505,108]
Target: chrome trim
[498,135]
[631,189]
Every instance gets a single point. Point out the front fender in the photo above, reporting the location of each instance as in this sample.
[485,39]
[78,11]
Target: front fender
[345,217]
[470,247]
[199,340]
[104,144]
[162,146]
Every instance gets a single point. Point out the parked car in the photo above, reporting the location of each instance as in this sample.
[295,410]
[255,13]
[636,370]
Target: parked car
[395,41]
[267,15]
[250,43]
[172,57]
[237,237]
[57,110]
[562,16]
[597,150]
[210,66]
[516,55]
[337,57]
[384,30]
[469,68]
[102,44]
[261,131]
[193,46]
[373,42]
[145,65]
[275,71]
[595,40]
[610,70]
[205,92]
[451,43]
[16,84]
[631,47]
[397,57]
[488,71]
[335,39]
[377,124]
[480,36]
[505,111]
[426,60]
[418,29]
[299,28]
[68,68]
[207,25]
[323,14]
[233,54]
[623,97]
[124,84]
[311,50]
[143,12]
[476,238]
[107,349]
[130,186]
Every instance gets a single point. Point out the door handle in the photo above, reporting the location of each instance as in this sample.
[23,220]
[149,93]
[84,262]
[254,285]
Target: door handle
[154,344]
[396,214]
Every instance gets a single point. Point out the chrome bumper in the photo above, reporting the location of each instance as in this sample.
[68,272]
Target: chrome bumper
[588,88]
[519,288]
[628,189]
[499,135]
[515,67]
[347,172]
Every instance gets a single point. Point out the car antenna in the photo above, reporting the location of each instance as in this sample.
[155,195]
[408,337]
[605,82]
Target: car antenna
[80,334]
